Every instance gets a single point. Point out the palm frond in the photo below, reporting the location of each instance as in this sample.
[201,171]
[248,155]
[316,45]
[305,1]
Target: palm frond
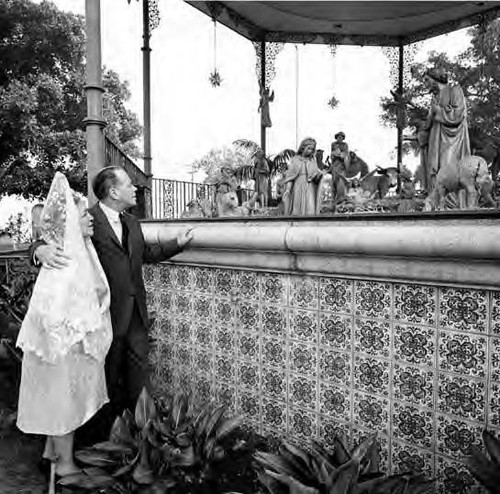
[280,162]
[248,145]
[245,173]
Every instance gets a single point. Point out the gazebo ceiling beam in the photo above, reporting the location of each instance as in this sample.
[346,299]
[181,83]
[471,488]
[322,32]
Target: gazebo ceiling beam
[243,25]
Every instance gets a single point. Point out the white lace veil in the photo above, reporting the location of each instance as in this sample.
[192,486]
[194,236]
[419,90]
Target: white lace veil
[69,307]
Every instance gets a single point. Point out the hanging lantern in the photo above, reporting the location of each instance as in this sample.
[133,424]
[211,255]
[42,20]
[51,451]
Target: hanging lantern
[215,78]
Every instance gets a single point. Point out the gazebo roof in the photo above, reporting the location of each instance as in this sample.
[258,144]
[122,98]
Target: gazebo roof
[390,23]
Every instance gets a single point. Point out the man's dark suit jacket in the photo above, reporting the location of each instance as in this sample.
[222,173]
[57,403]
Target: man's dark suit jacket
[124,271]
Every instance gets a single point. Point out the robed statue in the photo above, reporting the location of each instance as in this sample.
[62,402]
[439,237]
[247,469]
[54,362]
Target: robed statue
[265,97]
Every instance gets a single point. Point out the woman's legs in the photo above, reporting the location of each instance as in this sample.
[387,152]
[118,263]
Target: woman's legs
[63,448]
[49,451]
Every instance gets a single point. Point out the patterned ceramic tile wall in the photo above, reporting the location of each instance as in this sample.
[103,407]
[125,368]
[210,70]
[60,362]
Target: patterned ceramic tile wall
[311,356]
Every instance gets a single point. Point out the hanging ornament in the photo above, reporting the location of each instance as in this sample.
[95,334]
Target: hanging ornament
[333,101]
[215,78]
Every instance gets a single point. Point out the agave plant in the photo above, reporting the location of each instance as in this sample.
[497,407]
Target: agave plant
[294,470]
[485,466]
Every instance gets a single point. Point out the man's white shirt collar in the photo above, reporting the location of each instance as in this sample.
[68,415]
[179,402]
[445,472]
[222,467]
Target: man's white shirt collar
[112,215]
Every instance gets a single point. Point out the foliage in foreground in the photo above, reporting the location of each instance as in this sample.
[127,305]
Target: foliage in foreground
[485,466]
[295,470]
[168,447]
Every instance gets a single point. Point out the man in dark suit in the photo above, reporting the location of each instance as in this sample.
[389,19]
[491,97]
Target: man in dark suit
[120,246]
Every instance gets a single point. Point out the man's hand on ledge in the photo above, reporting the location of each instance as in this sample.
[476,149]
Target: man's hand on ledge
[184,237]
[51,256]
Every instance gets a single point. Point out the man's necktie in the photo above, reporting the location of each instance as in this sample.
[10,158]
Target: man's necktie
[124,233]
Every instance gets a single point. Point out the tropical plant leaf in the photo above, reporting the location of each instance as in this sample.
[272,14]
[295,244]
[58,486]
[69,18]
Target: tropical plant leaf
[143,475]
[86,480]
[294,486]
[492,445]
[340,453]
[113,447]
[95,458]
[343,479]
[185,457]
[247,144]
[297,459]
[484,470]
[123,470]
[145,409]
[227,426]
[271,484]
[215,418]
[276,463]
[121,432]
[279,163]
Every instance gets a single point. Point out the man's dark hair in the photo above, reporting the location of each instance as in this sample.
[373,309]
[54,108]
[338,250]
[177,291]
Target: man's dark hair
[104,180]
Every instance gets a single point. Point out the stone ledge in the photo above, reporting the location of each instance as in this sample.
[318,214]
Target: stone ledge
[464,251]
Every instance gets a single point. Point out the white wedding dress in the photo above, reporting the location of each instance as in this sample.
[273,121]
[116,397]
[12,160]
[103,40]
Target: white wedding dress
[66,333]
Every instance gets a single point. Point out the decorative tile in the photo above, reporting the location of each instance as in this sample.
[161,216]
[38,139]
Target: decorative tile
[334,401]
[183,356]
[462,309]
[247,285]
[224,340]
[182,277]
[164,299]
[149,274]
[204,363]
[226,395]
[415,345]
[304,325]
[183,333]
[406,458]
[203,390]
[164,274]
[274,320]
[202,307]
[372,337]
[359,435]
[495,313]
[455,437]
[372,299]
[335,331]
[248,375]
[413,385]
[224,312]
[203,280]
[371,375]
[274,415]
[247,316]
[302,423]
[224,368]
[415,304]
[463,397]
[274,383]
[371,412]
[304,292]
[329,429]
[494,405]
[248,346]
[153,299]
[302,358]
[181,304]
[335,295]
[413,425]
[223,282]
[248,404]
[163,328]
[273,352]
[462,353]
[203,335]
[494,367]
[453,477]
[185,380]
[302,391]
[274,288]
[335,366]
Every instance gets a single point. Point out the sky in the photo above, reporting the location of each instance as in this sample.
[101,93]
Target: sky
[190,117]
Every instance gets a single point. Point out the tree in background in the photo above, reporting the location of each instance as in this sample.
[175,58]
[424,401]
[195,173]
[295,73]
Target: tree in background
[42,99]
[477,71]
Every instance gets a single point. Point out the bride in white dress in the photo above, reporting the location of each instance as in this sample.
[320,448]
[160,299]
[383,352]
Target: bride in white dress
[66,333]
